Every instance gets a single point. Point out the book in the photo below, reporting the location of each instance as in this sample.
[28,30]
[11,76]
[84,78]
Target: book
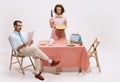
[30,37]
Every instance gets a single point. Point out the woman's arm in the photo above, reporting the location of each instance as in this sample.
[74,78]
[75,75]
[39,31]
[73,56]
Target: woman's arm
[65,23]
[51,23]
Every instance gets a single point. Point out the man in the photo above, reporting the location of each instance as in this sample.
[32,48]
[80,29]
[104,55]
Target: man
[20,45]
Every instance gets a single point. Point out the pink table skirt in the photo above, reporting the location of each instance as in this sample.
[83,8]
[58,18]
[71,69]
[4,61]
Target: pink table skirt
[69,56]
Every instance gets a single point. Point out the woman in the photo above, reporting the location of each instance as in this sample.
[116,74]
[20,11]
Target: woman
[58,20]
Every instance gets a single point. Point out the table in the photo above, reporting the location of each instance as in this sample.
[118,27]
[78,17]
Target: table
[68,56]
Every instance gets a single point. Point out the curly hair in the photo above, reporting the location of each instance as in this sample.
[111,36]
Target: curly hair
[61,6]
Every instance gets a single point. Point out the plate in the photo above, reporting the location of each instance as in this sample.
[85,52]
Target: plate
[43,42]
[60,27]
[70,45]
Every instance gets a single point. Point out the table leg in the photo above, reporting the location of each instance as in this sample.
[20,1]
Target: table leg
[58,70]
[42,69]
[80,70]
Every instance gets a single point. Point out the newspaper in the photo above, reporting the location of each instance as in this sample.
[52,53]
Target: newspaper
[30,37]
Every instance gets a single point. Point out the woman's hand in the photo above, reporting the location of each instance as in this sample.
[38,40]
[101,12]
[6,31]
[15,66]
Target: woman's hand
[51,23]
[51,20]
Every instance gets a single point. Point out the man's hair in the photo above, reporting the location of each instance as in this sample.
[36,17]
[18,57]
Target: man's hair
[16,21]
[59,5]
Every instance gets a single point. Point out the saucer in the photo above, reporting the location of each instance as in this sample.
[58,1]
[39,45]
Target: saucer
[71,45]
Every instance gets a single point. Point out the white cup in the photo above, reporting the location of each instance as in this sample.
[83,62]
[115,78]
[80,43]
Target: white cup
[51,41]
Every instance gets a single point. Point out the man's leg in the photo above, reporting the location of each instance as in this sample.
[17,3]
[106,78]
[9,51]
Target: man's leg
[37,54]
[41,55]
[30,51]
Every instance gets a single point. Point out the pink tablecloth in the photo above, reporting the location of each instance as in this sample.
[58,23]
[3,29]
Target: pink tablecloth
[75,56]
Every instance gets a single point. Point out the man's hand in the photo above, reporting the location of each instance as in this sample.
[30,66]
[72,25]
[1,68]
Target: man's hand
[31,42]
[28,43]
[24,45]
[21,46]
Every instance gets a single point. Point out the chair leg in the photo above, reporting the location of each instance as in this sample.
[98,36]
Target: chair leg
[21,61]
[97,61]
[80,70]
[31,62]
[20,66]
[10,63]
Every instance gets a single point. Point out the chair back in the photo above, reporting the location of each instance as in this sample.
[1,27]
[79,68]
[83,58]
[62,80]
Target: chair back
[93,48]
[92,52]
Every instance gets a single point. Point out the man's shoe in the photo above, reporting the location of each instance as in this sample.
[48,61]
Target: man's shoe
[54,63]
[39,77]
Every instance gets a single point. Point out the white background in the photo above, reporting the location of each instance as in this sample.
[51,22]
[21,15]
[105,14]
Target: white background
[90,18]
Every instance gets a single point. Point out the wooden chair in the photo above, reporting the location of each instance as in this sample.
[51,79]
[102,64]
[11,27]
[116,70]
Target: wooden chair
[92,52]
[19,60]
